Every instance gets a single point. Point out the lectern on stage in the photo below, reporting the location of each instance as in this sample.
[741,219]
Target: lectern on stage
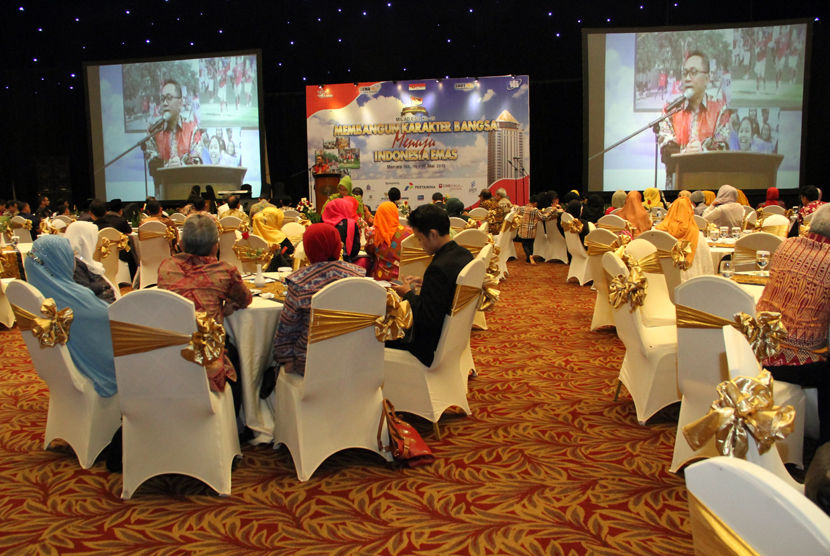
[712,169]
[324,186]
[175,183]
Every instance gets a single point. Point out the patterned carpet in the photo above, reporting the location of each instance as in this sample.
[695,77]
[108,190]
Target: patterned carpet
[547,464]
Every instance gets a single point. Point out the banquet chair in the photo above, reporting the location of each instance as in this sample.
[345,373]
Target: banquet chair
[579,257]
[428,391]
[748,210]
[658,309]
[226,240]
[510,252]
[172,423]
[702,224]
[549,243]
[338,403]
[63,218]
[474,240]
[178,218]
[649,368]
[701,366]
[615,211]
[478,213]
[809,218]
[480,319]
[152,252]
[294,232]
[603,312]
[23,235]
[775,209]
[748,502]
[298,256]
[504,241]
[750,219]
[748,245]
[484,226]
[741,361]
[290,216]
[112,264]
[611,222]
[77,414]
[414,261]
[664,241]
[457,224]
[777,225]
[254,242]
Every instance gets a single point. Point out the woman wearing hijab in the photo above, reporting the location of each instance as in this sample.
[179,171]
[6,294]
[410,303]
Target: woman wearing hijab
[699,202]
[652,198]
[340,213]
[383,242]
[322,247]
[455,208]
[617,201]
[772,199]
[49,267]
[634,212]
[709,197]
[680,223]
[89,273]
[267,224]
[725,210]
[742,200]
[594,209]
[575,209]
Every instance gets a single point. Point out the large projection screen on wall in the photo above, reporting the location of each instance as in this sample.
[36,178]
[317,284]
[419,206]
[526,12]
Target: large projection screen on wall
[757,73]
[221,102]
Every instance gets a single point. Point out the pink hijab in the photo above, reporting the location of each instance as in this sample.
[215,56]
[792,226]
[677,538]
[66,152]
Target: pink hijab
[338,210]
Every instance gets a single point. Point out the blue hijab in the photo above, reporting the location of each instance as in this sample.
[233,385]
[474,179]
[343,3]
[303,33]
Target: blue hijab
[49,267]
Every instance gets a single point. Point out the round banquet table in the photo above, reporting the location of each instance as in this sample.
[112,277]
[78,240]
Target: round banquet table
[252,331]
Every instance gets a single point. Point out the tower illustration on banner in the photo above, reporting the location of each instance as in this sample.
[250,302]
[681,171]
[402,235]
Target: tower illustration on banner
[503,144]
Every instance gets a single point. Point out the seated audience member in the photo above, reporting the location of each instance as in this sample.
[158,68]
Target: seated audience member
[810,202]
[652,199]
[322,247]
[772,199]
[617,201]
[799,289]
[431,226]
[286,202]
[531,215]
[699,202]
[383,242]
[113,219]
[264,202]
[340,213]
[680,223]
[725,210]
[394,196]
[62,210]
[234,210]
[85,215]
[215,287]
[11,209]
[25,212]
[155,214]
[362,210]
[188,208]
[49,267]
[42,211]
[504,200]
[438,199]
[594,209]
[200,207]
[268,225]
[495,215]
[574,209]
[83,237]
[455,209]
[634,212]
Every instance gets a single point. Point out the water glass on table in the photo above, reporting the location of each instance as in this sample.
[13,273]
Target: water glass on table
[724,232]
[726,269]
[736,232]
[762,259]
[714,235]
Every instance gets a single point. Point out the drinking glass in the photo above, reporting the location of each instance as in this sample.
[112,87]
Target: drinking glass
[726,269]
[736,232]
[762,259]
[714,234]
[15,240]
[724,231]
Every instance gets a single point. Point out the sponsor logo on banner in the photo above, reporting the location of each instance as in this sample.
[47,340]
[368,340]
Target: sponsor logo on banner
[371,90]
[420,197]
[465,86]
[417,86]
[514,84]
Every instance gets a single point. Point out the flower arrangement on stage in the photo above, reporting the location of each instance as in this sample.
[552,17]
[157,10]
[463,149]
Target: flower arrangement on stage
[405,208]
[306,208]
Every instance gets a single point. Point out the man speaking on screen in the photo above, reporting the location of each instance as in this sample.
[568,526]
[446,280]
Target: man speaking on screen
[701,124]
[173,139]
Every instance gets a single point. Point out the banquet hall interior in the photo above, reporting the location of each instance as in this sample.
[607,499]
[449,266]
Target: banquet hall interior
[563,450]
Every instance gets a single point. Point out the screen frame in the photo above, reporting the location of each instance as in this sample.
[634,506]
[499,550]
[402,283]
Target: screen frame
[263,163]
[808,39]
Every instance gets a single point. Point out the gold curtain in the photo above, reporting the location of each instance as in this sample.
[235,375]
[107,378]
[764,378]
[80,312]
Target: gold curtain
[51,330]
[712,536]
[204,346]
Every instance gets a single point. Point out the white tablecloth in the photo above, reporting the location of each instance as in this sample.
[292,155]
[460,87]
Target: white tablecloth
[718,253]
[252,331]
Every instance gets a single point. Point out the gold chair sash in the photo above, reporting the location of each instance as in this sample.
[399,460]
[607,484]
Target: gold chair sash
[457,229]
[649,263]
[473,222]
[413,254]
[514,224]
[743,255]
[712,536]
[765,332]
[26,225]
[744,408]
[760,216]
[204,346]
[243,227]
[631,290]
[610,227]
[779,230]
[328,323]
[49,331]
[574,226]
[596,248]
[804,229]
[169,234]
[261,256]
[490,295]
[464,295]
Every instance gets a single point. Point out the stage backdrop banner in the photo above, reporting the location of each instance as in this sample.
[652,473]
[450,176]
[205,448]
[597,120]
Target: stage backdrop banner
[453,136]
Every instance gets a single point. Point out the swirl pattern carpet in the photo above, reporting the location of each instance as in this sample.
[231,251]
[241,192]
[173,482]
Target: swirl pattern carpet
[547,464]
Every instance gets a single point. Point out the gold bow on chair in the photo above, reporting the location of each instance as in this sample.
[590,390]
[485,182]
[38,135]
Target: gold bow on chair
[631,290]
[574,226]
[243,227]
[760,216]
[26,225]
[207,344]
[509,225]
[47,228]
[51,330]
[680,254]
[329,323]
[473,222]
[804,229]
[104,247]
[765,333]
[490,295]
[744,407]
[493,267]
[204,346]
[397,321]
[304,220]
[124,241]
[261,256]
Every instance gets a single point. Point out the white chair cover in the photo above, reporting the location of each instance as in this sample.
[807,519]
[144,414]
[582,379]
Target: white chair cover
[413,268]
[666,242]
[294,232]
[758,241]
[172,422]
[702,224]
[480,320]
[113,270]
[772,223]
[658,310]
[579,257]
[458,223]
[479,212]
[603,312]
[63,218]
[226,242]
[77,414]
[748,210]
[549,243]
[23,235]
[775,209]
[338,403]
[254,242]
[649,368]
[611,220]
[504,241]
[701,366]
[178,217]
[152,252]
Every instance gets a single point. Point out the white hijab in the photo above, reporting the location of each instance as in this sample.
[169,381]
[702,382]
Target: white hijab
[83,237]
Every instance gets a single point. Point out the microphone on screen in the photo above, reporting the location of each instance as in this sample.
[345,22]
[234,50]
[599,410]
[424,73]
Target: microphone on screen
[160,124]
[687,95]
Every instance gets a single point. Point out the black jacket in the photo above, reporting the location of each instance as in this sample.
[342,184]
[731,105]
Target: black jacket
[435,300]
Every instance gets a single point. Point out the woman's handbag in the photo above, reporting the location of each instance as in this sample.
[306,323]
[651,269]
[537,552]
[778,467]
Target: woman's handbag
[406,445]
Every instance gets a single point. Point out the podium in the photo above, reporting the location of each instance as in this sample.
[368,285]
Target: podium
[712,169]
[324,186]
[175,183]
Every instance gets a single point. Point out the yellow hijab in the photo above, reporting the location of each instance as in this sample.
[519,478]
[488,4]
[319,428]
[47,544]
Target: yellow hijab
[267,224]
[652,198]
[709,197]
[680,223]
[742,200]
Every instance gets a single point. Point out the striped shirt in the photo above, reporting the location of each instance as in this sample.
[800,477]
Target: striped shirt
[530,217]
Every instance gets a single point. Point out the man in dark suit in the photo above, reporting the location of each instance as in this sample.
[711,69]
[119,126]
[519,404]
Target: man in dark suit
[438,200]
[431,225]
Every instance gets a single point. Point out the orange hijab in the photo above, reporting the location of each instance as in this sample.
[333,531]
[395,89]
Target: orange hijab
[634,212]
[709,197]
[386,223]
[742,200]
[680,223]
